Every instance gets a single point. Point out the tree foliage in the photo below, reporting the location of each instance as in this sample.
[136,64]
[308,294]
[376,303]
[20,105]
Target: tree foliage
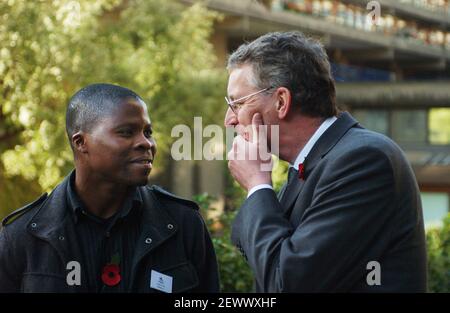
[50,49]
[438,248]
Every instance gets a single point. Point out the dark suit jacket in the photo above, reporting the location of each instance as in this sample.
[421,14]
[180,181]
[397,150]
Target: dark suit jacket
[359,203]
[36,247]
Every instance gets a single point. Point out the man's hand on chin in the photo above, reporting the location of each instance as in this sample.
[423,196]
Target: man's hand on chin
[249,162]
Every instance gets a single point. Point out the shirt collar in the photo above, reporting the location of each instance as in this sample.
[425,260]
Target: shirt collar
[312,141]
[133,201]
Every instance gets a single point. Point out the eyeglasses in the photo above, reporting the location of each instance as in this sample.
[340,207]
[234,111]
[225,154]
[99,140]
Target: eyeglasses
[235,105]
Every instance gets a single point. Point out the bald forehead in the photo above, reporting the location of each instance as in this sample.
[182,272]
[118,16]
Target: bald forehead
[239,81]
[128,103]
[129,108]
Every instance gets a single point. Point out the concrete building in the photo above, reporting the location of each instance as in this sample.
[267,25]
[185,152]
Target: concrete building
[392,69]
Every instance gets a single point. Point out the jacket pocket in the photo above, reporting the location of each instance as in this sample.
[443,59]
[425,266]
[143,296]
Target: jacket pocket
[184,277]
[43,282]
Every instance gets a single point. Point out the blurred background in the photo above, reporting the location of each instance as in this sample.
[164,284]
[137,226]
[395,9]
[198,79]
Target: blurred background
[392,75]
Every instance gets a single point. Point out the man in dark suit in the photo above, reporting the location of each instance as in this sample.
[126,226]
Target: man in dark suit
[349,219]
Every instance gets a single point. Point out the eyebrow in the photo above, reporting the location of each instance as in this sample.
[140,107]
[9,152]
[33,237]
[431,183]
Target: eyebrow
[131,124]
[233,98]
[240,99]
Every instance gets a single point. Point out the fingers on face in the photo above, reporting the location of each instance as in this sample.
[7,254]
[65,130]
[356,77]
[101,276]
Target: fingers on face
[232,154]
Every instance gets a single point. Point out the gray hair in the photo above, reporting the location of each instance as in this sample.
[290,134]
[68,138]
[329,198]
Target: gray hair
[293,61]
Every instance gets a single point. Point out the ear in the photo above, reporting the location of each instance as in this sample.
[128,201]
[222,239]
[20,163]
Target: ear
[79,142]
[284,102]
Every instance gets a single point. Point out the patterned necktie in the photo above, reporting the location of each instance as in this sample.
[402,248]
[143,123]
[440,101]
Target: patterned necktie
[292,176]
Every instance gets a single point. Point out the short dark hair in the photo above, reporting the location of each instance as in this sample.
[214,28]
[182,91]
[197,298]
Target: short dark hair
[91,103]
[294,61]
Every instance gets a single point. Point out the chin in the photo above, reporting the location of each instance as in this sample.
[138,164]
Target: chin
[140,182]
[136,177]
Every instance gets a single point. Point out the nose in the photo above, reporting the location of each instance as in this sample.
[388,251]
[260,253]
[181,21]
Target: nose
[147,144]
[230,118]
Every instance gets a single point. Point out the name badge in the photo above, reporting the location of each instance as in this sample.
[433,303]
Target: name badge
[161,282]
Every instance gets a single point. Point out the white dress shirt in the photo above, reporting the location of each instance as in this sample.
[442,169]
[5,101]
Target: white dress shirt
[303,153]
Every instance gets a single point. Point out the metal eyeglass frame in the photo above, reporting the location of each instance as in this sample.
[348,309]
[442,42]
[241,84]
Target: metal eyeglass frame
[235,107]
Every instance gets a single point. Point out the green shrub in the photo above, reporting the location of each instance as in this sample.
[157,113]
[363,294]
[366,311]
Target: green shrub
[438,246]
[235,274]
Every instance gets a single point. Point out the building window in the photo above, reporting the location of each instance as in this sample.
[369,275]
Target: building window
[409,126]
[376,120]
[439,126]
[435,207]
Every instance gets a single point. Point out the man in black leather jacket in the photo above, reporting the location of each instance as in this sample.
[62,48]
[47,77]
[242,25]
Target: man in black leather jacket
[103,229]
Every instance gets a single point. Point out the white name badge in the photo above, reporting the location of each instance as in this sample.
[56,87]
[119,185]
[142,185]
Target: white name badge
[161,282]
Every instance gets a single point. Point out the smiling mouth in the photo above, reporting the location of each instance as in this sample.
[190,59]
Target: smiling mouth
[143,161]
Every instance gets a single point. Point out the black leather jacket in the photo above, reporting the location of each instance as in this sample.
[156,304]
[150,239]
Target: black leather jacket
[38,241]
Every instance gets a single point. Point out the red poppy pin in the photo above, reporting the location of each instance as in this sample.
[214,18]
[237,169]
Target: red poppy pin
[111,272]
[301,171]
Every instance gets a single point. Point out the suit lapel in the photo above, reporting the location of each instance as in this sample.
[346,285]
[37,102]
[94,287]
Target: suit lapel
[289,194]
[328,140]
